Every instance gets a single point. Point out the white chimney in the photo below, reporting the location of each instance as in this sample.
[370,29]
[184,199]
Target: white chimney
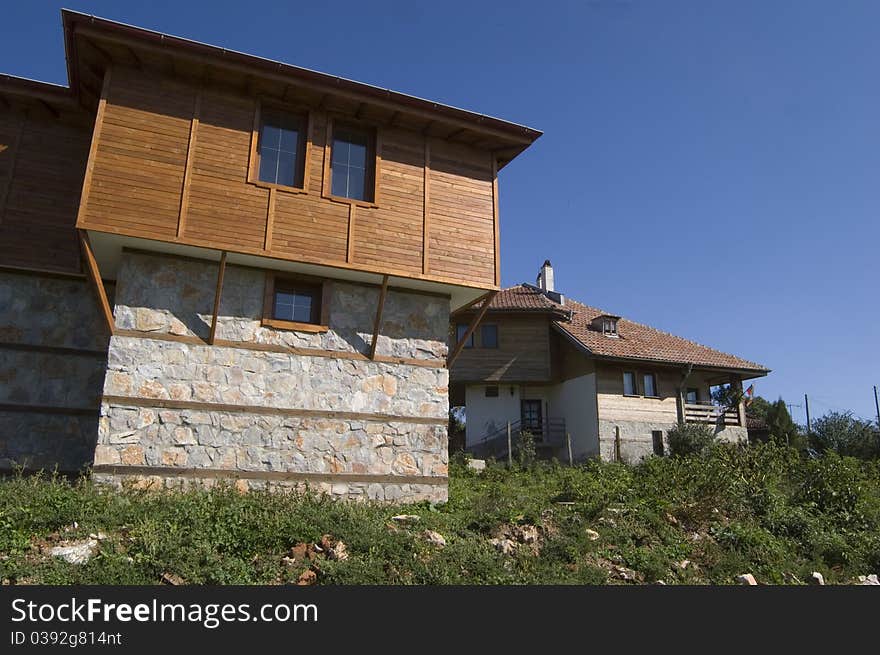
[545,277]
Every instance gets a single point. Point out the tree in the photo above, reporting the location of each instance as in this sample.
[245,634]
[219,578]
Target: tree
[759,408]
[782,428]
[846,435]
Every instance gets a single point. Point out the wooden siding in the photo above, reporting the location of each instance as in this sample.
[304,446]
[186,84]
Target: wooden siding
[523,353]
[614,406]
[172,160]
[42,161]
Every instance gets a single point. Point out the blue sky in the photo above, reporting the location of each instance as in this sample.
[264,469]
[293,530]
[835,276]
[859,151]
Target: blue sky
[709,168]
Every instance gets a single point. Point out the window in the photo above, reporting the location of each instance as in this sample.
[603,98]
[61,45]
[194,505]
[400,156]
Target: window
[460,329]
[650,385]
[692,395]
[491,392]
[531,418]
[629,384]
[609,326]
[489,336]
[295,303]
[281,148]
[657,438]
[352,163]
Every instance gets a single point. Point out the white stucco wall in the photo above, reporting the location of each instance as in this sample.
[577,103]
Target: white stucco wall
[486,415]
[575,401]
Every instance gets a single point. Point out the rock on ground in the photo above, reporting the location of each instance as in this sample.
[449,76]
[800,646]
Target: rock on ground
[747,579]
[77,552]
[435,538]
[816,578]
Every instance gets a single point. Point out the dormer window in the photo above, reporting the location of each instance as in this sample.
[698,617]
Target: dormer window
[606,324]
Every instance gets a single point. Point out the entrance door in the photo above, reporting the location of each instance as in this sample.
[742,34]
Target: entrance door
[531,418]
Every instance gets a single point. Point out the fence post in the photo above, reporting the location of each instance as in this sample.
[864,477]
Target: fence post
[509,447]
[568,440]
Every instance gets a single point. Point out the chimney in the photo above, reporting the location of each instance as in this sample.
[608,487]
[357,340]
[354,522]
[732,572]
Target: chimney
[545,277]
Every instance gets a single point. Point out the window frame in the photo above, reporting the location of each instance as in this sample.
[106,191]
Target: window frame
[253,175]
[653,377]
[470,342]
[696,391]
[497,337]
[376,138]
[635,380]
[275,279]
[609,326]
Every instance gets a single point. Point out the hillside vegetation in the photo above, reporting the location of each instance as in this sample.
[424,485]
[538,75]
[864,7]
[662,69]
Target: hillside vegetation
[764,510]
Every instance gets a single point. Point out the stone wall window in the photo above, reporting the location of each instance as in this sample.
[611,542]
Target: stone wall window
[296,303]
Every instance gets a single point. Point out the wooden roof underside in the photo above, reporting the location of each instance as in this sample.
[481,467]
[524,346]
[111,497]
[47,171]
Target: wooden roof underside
[94,44]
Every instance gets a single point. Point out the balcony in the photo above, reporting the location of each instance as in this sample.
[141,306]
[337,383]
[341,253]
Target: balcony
[707,412]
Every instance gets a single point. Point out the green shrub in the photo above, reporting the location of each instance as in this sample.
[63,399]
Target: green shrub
[689,439]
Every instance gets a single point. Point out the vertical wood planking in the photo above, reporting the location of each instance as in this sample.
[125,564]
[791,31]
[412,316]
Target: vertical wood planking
[95,277]
[426,220]
[93,149]
[7,183]
[496,221]
[270,219]
[187,169]
[220,273]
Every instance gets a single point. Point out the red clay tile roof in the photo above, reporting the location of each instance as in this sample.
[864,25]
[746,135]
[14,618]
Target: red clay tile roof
[635,341]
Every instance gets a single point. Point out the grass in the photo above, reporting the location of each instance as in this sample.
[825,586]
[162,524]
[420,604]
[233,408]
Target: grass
[695,520]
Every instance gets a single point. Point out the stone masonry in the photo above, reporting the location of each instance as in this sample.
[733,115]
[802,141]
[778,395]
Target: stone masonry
[182,412]
[636,441]
[52,361]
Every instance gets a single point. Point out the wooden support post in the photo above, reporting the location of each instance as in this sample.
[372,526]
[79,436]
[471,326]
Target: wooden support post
[509,446]
[220,272]
[568,441]
[487,300]
[378,322]
[95,277]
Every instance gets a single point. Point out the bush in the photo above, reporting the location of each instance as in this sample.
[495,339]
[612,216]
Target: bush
[846,435]
[689,439]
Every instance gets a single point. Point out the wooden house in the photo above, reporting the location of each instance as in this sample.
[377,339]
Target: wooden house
[273,253]
[563,371]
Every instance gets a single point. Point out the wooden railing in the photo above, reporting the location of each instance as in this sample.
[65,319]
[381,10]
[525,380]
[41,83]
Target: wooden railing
[709,413]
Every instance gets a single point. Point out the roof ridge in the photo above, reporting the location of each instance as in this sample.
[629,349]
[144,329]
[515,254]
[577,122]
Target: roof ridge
[676,336]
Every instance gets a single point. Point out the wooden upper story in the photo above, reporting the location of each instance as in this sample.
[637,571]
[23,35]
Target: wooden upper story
[196,147]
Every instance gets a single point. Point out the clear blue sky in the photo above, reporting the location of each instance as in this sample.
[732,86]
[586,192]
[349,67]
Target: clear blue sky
[709,168]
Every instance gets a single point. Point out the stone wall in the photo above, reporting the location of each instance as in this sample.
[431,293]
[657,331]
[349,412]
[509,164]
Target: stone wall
[636,442]
[53,346]
[176,412]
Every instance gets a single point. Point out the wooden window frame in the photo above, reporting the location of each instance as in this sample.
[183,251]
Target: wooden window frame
[273,279]
[254,158]
[635,393]
[327,182]
[497,336]
[656,393]
[471,342]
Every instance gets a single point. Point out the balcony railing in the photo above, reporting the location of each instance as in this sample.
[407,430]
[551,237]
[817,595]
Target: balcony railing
[707,412]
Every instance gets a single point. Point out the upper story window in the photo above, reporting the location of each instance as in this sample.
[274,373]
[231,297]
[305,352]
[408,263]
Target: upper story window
[295,304]
[629,384]
[692,395]
[489,336]
[281,148]
[650,385]
[460,329]
[353,163]
[606,324]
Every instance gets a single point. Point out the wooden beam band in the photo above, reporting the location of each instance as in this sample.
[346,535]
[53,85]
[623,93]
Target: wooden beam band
[290,350]
[292,476]
[156,403]
[53,350]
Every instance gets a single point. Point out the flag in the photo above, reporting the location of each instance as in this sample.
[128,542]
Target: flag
[750,392]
